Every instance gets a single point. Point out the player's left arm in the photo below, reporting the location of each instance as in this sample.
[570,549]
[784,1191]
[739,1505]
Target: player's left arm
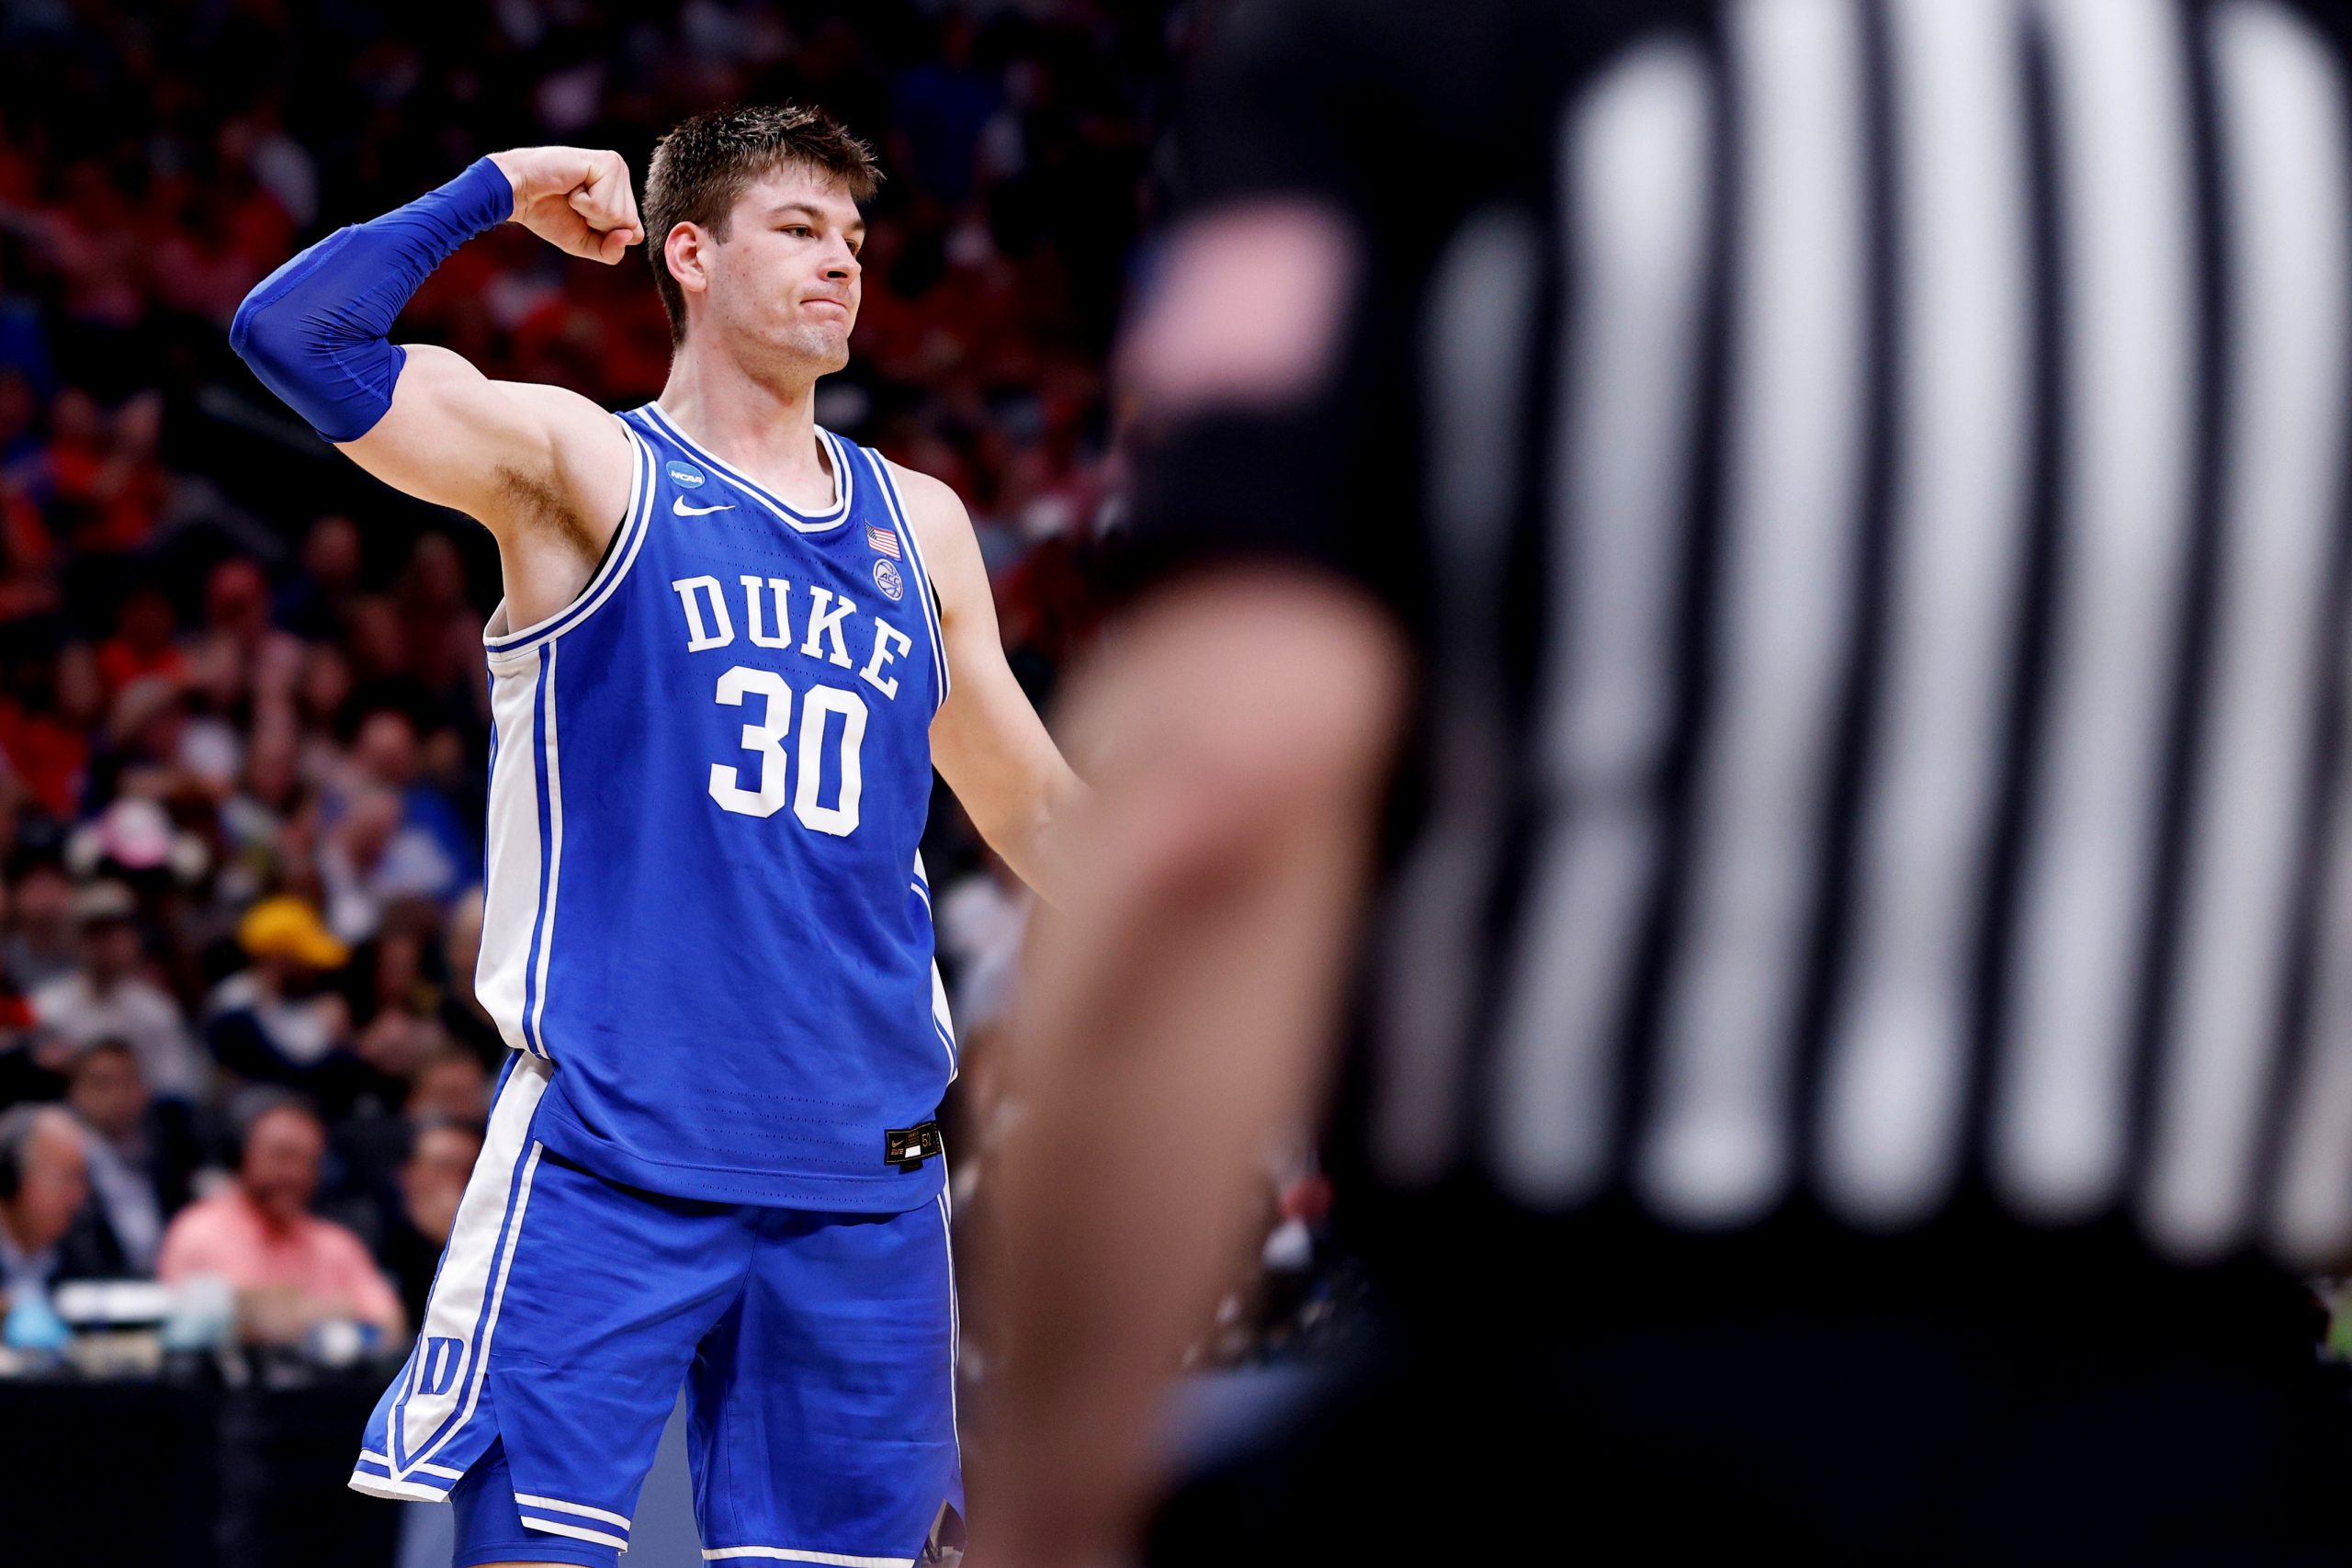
[987,741]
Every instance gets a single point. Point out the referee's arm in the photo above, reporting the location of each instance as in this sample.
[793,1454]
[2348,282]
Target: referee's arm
[1176,1018]
[1180,1001]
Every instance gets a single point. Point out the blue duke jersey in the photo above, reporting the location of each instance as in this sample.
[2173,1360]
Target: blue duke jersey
[708,781]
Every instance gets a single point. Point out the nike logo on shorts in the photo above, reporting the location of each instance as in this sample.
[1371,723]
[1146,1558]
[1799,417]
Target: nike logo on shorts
[682,510]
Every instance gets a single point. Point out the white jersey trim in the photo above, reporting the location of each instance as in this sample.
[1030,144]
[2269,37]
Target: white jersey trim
[954,1309]
[471,1286]
[552,782]
[524,863]
[929,596]
[825,521]
[504,648]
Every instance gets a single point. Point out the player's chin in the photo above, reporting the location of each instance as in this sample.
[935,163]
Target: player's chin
[825,348]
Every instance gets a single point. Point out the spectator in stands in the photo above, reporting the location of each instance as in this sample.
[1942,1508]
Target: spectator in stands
[373,858]
[291,1269]
[277,1021]
[142,1156]
[253,819]
[32,1066]
[237,627]
[146,727]
[108,997]
[44,1181]
[44,943]
[315,604]
[452,1086]
[99,471]
[393,999]
[443,627]
[50,701]
[462,1013]
[427,845]
[441,1156]
[142,643]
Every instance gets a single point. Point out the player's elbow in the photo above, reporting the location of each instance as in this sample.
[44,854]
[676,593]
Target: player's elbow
[300,345]
[267,338]
[270,331]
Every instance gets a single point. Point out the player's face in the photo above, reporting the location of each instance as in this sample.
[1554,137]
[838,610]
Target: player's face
[786,277]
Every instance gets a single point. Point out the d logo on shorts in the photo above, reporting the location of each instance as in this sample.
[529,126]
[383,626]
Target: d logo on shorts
[436,1367]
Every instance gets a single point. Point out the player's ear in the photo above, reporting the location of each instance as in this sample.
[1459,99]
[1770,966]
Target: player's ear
[684,251]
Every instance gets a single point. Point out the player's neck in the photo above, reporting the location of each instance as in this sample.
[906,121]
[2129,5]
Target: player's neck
[765,428]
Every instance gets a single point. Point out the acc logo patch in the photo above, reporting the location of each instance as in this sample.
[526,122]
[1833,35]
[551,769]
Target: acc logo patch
[686,474]
[887,578]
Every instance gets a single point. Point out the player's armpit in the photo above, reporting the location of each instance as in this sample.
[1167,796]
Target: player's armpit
[543,468]
[988,742]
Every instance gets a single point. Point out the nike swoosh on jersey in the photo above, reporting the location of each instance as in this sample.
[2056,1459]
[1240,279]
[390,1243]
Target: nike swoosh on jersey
[682,510]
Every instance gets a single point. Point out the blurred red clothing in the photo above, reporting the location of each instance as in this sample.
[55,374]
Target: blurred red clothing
[48,755]
[122,661]
[228,1235]
[122,495]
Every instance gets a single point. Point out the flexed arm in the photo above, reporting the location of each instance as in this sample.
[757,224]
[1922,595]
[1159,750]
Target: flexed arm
[544,468]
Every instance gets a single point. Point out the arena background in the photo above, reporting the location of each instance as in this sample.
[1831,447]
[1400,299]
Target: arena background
[241,701]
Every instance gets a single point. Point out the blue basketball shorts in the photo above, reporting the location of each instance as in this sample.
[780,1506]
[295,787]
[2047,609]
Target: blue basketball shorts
[817,1352]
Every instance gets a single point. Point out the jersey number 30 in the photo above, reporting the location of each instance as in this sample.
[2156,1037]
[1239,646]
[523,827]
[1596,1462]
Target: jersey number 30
[817,711]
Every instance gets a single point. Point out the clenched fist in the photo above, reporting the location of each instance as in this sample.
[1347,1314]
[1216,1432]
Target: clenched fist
[576,199]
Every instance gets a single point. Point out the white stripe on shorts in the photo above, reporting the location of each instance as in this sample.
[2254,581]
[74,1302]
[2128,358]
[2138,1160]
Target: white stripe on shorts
[466,1295]
[786,1554]
[577,1532]
[396,1491]
[525,1500]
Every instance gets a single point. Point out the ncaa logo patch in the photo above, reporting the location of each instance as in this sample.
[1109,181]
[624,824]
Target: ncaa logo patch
[886,578]
[686,474]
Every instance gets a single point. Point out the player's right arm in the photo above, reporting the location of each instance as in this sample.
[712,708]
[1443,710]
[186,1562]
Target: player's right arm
[544,468]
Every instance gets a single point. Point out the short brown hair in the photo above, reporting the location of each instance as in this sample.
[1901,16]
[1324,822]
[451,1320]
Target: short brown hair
[703,166]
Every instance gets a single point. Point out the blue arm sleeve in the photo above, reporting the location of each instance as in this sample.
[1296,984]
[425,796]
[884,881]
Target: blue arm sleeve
[313,331]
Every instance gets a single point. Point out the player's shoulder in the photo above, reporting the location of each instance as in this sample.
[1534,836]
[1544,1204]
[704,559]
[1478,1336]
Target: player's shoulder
[931,501]
[913,483]
[943,530]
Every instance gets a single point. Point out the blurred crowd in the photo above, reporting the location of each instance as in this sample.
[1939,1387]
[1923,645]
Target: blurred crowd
[242,717]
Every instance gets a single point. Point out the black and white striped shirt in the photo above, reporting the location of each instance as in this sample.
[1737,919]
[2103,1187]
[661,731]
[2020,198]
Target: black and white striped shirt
[1869,478]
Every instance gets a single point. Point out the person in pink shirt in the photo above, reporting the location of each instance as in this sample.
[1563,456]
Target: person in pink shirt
[291,1269]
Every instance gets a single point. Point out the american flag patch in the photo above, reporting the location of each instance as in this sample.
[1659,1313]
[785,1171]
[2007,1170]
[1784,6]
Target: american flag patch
[883,539]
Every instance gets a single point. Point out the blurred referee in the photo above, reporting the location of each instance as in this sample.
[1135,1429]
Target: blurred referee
[1756,590]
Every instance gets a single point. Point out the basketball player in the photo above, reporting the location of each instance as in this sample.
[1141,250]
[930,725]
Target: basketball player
[1840,507]
[732,648]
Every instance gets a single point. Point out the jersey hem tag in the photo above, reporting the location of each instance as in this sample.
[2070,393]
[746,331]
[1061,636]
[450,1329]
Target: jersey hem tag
[908,1148]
